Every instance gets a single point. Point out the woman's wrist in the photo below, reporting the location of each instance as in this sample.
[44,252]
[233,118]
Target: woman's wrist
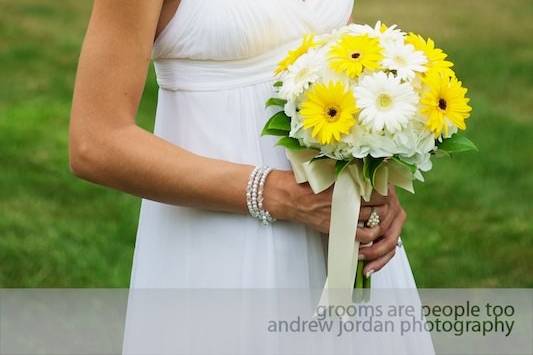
[277,194]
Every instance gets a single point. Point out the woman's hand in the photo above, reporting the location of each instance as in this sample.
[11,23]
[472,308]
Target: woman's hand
[383,248]
[287,200]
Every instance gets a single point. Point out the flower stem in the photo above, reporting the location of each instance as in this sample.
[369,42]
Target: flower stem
[367,282]
[359,278]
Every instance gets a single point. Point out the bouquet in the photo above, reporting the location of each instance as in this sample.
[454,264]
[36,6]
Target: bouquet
[361,108]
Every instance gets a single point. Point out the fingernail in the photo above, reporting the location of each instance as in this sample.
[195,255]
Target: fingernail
[368,274]
[367,245]
[362,257]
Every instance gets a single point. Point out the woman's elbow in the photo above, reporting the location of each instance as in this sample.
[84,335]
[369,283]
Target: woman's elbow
[84,157]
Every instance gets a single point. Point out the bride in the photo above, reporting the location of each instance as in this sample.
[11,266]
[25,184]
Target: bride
[214,62]
[200,170]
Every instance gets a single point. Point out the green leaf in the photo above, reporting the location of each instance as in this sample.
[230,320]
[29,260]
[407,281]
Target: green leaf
[278,84]
[412,168]
[457,144]
[290,143]
[278,123]
[274,132]
[274,101]
[438,153]
[370,166]
[340,165]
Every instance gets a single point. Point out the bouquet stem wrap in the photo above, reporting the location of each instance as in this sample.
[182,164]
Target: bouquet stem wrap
[350,186]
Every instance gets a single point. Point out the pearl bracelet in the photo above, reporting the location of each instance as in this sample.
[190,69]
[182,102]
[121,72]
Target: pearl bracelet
[249,192]
[254,195]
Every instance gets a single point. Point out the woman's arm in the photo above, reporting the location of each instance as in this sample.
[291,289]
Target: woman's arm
[108,148]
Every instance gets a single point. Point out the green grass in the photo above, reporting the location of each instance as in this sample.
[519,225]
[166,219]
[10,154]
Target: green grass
[469,224]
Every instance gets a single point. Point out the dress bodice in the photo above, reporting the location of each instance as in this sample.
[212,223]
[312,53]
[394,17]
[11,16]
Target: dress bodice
[223,30]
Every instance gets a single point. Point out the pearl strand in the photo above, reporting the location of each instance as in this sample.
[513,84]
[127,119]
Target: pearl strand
[254,194]
[250,193]
[264,215]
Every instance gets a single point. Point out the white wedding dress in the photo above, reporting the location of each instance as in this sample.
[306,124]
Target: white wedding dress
[214,63]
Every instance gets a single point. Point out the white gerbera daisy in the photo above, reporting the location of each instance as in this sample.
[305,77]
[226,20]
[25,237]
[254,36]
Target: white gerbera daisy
[386,102]
[305,71]
[389,36]
[357,29]
[405,60]
[386,35]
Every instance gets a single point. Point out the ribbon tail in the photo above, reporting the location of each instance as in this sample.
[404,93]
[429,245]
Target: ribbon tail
[343,249]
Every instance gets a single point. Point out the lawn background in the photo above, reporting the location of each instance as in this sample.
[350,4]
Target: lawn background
[470,224]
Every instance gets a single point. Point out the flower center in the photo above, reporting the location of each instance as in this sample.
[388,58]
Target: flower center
[384,101]
[400,60]
[332,113]
[443,105]
[356,55]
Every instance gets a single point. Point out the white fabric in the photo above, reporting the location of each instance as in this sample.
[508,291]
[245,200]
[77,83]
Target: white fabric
[214,63]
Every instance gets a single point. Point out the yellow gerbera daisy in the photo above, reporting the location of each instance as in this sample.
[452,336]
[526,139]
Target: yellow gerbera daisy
[445,102]
[307,43]
[329,109]
[352,54]
[436,57]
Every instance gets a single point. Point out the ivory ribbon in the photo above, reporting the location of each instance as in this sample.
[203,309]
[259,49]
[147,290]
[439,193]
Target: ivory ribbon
[349,187]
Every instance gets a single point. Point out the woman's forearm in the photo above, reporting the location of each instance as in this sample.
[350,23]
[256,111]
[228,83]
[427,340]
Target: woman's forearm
[135,161]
